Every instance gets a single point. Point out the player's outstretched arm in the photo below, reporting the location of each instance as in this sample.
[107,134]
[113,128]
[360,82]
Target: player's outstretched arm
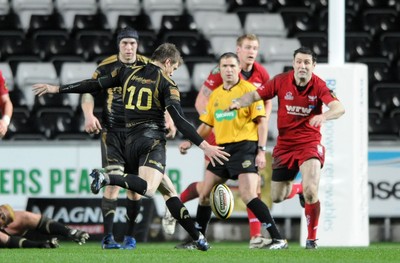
[215,153]
[244,101]
[84,86]
[41,89]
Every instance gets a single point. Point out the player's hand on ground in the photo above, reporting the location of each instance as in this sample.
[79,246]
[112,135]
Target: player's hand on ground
[41,89]
[184,146]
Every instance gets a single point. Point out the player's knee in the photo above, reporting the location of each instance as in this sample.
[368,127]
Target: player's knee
[204,199]
[277,197]
[114,169]
[150,193]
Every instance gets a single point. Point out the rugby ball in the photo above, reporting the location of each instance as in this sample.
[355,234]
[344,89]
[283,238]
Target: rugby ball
[221,200]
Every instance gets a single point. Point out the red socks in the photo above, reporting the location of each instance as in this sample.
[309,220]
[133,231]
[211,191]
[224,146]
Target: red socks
[254,224]
[189,193]
[312,212]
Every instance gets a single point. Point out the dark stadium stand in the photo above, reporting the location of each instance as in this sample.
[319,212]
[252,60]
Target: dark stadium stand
[74,33]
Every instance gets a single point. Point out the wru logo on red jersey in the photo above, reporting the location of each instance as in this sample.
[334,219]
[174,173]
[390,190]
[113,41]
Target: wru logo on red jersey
[298,110]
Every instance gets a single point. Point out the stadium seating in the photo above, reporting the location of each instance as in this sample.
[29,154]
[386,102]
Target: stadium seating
[18,99]
[156,9]
[89,22]
[95,45]
[379,69]
[298,19]
[23,126]
[69,8]
[52,101]
[10,22]
[178,23]
[222,44]
[278,49]
[182,79]
[218,24]
[192,45]
[358,44]
[29,73]
[381,127]
[316,41]
[265,25]
[382,4]
[115,8]
[147,42]
[376,21]
[244,7]
[275,68]
[44,23]
[26,8]
[14,46]
[352,21]
[194,6]
[73,72]
[390,45]
[51,43]
[200,74]
[4,7]
[386,96]
[52,121]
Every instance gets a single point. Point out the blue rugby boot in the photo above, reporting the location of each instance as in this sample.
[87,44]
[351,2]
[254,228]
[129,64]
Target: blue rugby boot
[108,242]
[100,179]
[311,244]
[202,243]
[129,243]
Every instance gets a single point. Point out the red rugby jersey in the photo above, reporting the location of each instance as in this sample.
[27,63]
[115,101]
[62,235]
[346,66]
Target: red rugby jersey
[296,108]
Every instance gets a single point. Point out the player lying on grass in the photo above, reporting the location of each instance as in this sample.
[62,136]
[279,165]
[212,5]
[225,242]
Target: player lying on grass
[14,225]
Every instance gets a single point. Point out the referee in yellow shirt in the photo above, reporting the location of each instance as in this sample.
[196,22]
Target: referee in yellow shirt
[243,133]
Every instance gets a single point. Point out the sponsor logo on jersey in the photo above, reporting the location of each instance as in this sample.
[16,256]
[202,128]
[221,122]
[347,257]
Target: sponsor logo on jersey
[221,115]
[312,98]
[246,164]
[174,92]
[289,96]
[298,110]
[210,82]
[184,213]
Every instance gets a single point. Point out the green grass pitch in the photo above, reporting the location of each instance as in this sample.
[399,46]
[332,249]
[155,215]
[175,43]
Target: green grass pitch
[220,252]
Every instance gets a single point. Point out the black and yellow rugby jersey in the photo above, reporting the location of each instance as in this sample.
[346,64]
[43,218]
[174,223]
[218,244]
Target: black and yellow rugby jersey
[113,117]
[146,92]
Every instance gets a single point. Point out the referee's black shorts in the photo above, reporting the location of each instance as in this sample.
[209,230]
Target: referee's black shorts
[242,160]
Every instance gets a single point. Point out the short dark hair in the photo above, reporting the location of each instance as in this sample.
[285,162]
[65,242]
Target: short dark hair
[127,32]
[228,55]
[307,51]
